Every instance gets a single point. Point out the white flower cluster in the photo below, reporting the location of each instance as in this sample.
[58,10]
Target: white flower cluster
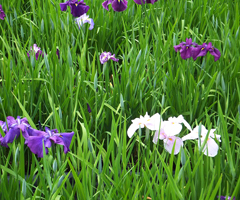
[168,131]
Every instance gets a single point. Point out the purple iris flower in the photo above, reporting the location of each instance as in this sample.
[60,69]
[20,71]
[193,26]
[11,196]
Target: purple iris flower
[36,137]
[15,126]
[84,19]
[105,56]
[203,49]
[88,108]
[145,1]
[36,50]
[2,14]
[117,5]
[185,48]
[78,8]
[224,197]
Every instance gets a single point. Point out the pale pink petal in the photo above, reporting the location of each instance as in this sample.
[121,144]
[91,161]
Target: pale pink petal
[190,136]
[211,148]
[169,143]
[172,128]
[132,129]
[158,135]
[154,122]
[155,137]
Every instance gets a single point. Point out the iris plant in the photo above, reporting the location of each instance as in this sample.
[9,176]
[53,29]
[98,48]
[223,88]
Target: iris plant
[36,138]
[191,49]
[211,147]
[78,8]
[185,48]
[203,49]
[15,126]
[84,19]
[2,14]
[145,1]
[225,197]
[36,50]
[105,56]
[117,5]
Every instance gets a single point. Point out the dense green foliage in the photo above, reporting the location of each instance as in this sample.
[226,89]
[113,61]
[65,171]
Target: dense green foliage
[149,77]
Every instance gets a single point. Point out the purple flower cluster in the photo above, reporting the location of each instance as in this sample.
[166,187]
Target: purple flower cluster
[225,197]
[117,5]
[78,8]
[145,1]
[105,56]
[2,14]
[121,5]
[33,138]
[35,50]
[190,49]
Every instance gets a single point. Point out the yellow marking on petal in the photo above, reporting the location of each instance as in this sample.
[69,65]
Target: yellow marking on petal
[119,1]
[173,123]
[148,120]
[186,47]
[170,139]
[202,49]
[60,136]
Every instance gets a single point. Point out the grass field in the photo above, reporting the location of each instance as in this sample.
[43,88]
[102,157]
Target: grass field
[150,76]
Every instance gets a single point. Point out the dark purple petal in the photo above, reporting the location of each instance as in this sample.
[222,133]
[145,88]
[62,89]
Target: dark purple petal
[63,6]
[185,52]
[10,120]
[36,146]
[2,14]
[119,5]
[199,51]
[106,3]
[63,139]
[189,41]
[89,109]
[178,47]
[209,46]
[32,132]
[140,2]
[38,53]
[78,10]
[10,136]
[216,53]
[195,44]
[151,1]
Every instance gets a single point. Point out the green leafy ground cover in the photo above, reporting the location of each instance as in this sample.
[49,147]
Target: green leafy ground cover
[149,77]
